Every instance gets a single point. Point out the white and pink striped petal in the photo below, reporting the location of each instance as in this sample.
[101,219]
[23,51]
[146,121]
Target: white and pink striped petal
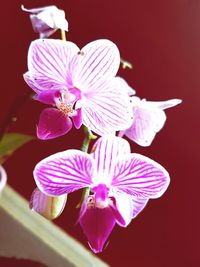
[106,107]
[97,60]
[48,63]
[64,172]
[148,119]
[105,152]
[140,177]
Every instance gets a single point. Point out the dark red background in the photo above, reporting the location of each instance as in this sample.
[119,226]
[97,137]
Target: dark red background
[162,40]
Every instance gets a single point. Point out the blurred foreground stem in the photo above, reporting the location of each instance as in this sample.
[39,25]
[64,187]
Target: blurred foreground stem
[10,117]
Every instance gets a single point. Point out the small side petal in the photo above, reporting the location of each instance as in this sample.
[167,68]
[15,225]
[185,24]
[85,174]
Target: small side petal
[163,104]
[146,123]
[78,119]
[148,119]
[122,208]
[97,225]
[47,206]
[48,96]
[64,172]
[140,177]
[98,59]
[53,123]
[126,207]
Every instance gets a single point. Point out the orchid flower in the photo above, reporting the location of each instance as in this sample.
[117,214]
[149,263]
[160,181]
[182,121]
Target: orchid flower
[148,117]
[46,20]
[120,184]
[79,84]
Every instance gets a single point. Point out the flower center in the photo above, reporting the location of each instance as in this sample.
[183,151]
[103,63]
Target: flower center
[101,196]
[66,108]
[66,102]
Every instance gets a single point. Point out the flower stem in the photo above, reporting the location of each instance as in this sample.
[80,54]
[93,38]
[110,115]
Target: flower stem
[88,137]
[63,35]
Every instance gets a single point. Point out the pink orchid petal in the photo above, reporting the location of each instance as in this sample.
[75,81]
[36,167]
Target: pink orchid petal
[122,208]
[105,153]
[53,123]
[48,62]
[78,120]
[97,60]
[48,96]
[97,225]
[146,123]
[126,207]
[47,206]
[106,108]
[140,177]
[64,172]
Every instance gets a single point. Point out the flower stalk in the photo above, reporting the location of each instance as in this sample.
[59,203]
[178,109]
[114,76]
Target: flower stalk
[86,142]
[63,35]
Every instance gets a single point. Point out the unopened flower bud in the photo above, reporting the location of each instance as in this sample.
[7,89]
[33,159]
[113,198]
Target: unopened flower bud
[47,206]
[46,20]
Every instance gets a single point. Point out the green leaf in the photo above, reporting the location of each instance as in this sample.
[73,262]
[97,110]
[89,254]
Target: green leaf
[11,142]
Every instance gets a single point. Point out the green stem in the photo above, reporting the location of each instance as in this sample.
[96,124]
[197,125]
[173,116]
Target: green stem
[88,137]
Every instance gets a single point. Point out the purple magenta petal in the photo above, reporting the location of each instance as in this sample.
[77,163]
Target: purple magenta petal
[64,172]
[48,62]
[78,120]
[47,206]
[105,152]
[48,96]
[140,177]
[106,108]
[97,225]
[53,123]
[97,60]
